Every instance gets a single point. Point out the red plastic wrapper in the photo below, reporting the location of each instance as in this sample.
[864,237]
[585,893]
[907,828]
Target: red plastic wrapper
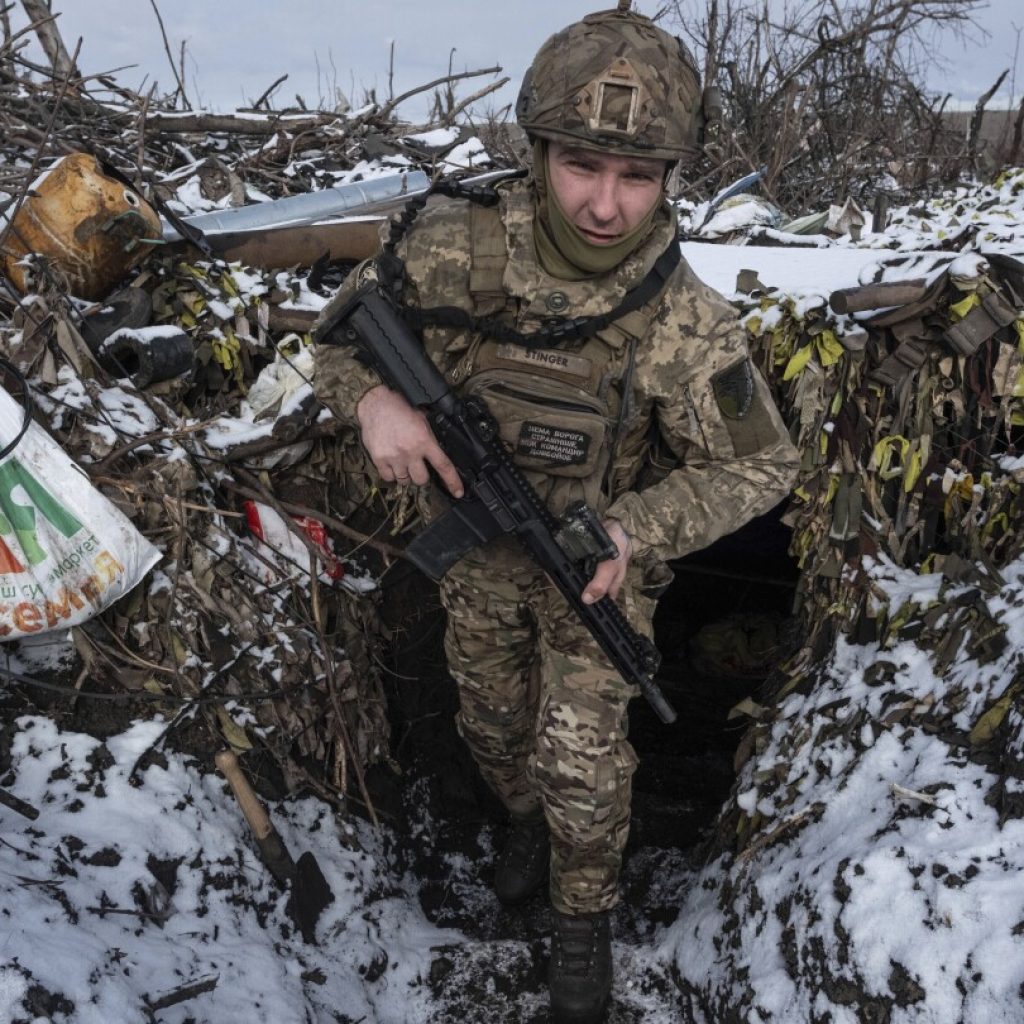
[268,526]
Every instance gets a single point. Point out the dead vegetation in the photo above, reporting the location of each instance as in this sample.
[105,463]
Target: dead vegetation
[270,652]
[262,648]
[831,98]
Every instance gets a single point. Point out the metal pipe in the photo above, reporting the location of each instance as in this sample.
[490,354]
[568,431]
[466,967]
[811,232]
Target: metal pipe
[307,208]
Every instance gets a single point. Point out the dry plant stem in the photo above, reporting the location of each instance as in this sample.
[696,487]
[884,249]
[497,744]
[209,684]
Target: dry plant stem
[341,753]
[100,468]
[170,58]
[113,657]
[342,727]
[187,711]
[129,488]
[179,549]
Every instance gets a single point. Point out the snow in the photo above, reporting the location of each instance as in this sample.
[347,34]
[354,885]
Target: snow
[903,829]
[468,155]
[436,139]
[84,915]
[792,271]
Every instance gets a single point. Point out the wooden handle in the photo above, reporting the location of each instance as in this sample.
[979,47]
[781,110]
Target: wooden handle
[254,811]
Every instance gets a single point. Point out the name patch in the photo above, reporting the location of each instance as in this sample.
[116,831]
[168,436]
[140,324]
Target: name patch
[551,358]
[555,445]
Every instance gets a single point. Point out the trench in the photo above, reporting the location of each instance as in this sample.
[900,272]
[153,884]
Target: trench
[721,627]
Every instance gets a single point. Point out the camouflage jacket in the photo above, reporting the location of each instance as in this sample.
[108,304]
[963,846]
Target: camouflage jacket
[699,447]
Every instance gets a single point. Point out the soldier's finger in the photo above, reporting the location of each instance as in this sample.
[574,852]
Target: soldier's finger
[599,585]
[445,469]
[418,472]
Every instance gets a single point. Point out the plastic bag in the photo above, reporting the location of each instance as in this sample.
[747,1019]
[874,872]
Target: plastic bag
[66,552]
[293,556]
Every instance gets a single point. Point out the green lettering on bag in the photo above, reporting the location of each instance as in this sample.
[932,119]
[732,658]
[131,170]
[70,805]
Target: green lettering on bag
[21,518]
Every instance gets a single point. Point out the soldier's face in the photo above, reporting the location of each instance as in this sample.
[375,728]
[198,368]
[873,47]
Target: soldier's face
[603,194]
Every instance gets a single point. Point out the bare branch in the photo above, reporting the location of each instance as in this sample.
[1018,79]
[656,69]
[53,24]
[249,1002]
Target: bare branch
[979,116]
[170,58]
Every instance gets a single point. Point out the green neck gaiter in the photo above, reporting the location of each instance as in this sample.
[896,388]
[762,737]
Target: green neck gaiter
[562,250]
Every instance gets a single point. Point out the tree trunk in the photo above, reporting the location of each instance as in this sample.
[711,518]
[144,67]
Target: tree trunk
[49,37]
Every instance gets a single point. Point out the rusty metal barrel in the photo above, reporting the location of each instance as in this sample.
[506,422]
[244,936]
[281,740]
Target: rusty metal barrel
[91,226]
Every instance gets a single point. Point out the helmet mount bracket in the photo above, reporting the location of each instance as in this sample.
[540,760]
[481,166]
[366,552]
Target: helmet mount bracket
[603,104]
[615,81]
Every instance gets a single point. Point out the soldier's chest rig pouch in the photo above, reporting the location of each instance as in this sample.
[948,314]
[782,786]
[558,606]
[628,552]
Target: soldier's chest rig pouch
[556,410]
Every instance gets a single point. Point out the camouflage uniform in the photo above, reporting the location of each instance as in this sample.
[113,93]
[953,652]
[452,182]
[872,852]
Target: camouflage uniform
[700,450]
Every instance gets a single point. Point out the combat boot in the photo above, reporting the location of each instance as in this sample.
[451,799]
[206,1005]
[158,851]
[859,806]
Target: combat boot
[580,974]
[522,866]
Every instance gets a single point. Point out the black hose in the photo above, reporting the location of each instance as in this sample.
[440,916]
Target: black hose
[26,403]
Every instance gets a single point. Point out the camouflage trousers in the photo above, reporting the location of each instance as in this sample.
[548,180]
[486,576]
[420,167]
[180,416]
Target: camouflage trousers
[544,715]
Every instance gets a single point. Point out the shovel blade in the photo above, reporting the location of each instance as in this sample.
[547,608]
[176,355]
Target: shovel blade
[310,894]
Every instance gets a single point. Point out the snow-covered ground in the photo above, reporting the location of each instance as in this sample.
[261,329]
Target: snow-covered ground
[127,889]
[887,885]
[137,895]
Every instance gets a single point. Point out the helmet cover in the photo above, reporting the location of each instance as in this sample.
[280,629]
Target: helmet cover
[615,82]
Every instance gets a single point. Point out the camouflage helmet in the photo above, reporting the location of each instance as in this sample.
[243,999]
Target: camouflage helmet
[615,81]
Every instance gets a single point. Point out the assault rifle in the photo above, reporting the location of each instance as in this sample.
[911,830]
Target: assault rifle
[498,499]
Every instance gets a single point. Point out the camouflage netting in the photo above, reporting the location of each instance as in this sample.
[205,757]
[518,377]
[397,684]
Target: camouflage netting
[909,420]
[863,864]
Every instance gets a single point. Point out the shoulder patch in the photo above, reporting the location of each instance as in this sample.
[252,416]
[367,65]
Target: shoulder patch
[734,390]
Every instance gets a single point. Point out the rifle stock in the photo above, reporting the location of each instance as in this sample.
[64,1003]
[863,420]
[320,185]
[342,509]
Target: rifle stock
[499,499]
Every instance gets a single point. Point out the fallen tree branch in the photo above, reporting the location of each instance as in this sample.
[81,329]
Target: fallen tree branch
[242,124]
[180,995]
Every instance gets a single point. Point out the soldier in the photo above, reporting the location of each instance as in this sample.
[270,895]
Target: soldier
[650,410]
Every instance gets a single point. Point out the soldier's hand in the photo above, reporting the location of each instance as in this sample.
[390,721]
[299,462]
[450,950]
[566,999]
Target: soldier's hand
[611,573]
[400,443]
